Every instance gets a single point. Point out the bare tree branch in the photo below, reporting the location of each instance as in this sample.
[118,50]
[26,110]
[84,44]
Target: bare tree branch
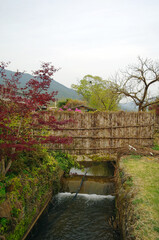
[136,80]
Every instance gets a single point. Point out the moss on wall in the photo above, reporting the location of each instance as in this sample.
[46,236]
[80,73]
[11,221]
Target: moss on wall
[33,179]
[125,213]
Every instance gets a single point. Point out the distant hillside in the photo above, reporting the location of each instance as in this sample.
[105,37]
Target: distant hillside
[63,92]
[129,106]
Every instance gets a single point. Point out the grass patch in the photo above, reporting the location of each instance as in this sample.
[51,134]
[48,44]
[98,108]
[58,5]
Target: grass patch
[129,182]
[135,156]
[137,201]
[145,180]
[155,147]
[156,229]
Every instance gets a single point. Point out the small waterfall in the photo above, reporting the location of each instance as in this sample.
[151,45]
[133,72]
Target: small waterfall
[84,216]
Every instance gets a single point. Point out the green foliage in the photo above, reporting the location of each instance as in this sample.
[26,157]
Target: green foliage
[15,212]
[70,103]
[62,103]
[97,92]
[21,227]
[28,160]
[74,103]
[4,223]
[129,182]
[121,174]
[156,229]
[2,190]
[50,163]
[156,147]
[65,161]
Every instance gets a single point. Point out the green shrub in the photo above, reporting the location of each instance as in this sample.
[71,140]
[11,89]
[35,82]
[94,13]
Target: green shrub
[3,225]
[2,190]
[65,161]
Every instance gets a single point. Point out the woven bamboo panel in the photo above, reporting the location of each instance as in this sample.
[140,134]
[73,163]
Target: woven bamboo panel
[102,132]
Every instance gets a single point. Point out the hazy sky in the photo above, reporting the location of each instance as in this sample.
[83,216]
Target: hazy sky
[82,37]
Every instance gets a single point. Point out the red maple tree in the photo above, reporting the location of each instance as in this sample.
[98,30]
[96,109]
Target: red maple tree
[22,127]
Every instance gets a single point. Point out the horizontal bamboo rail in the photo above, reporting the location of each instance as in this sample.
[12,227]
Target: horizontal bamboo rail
[96,137]
[108,127]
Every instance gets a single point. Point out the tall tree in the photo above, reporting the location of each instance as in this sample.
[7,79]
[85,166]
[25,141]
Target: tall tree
[21,126]
[137,81]
[97,92]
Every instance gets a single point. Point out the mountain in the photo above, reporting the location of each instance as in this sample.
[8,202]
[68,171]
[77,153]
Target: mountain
[129,106]
[63,92]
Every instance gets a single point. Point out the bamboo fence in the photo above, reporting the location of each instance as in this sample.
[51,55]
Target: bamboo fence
[103,132]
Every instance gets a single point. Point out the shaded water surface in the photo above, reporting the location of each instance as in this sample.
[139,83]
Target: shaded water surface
[83,218]
[95,169]
[98,180]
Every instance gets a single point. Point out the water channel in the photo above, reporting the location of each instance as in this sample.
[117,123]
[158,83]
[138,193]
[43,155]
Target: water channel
[84,217]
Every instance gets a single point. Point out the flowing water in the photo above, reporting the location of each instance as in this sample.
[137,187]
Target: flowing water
[86,217]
